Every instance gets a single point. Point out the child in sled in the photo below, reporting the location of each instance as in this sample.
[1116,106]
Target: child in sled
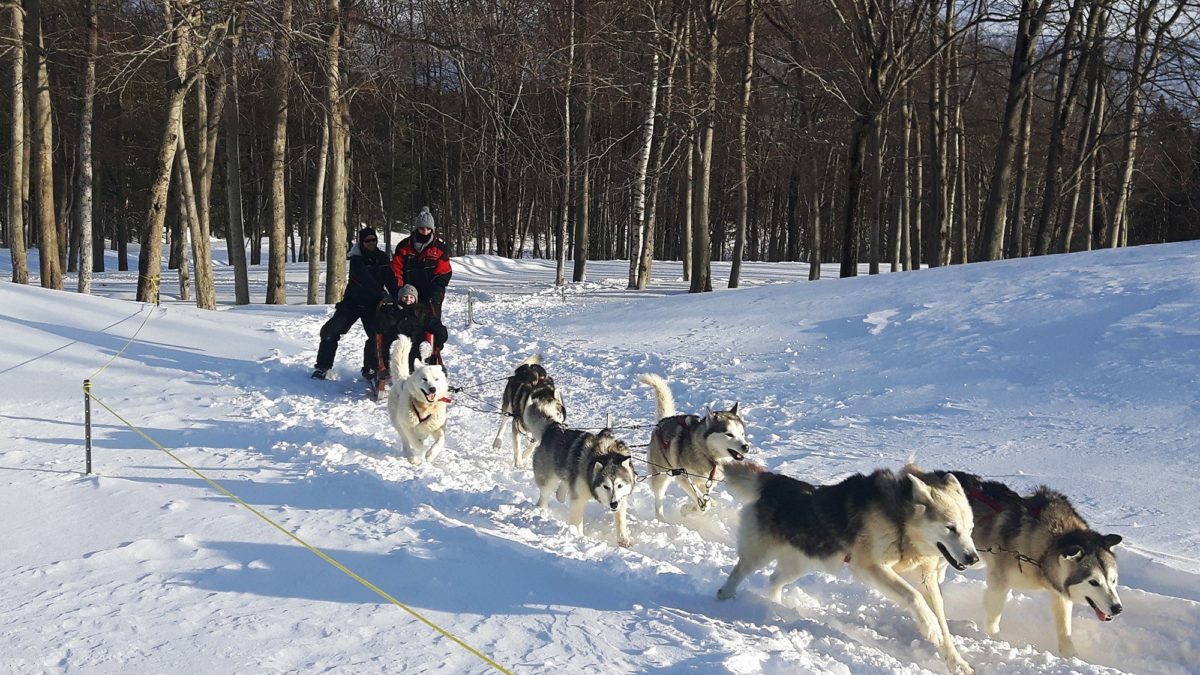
[413,319]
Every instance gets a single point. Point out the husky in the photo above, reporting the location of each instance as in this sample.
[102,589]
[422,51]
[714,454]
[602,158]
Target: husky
[417,404]
[881,525]
[530,392]
[700,446]
[578,466]
[1040,541]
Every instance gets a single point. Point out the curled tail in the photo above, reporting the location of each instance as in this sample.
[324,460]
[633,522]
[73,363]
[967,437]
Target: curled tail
[662,394]
[532,360]
[744,479]
[401,348]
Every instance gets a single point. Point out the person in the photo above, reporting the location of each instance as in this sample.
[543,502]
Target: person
[370,281]
[414,319]
[423,261]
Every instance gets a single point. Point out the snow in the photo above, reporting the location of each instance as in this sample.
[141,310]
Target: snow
[1081,372]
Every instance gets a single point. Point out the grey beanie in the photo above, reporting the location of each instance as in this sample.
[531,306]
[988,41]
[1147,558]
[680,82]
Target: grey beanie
[424,219]
[409,289]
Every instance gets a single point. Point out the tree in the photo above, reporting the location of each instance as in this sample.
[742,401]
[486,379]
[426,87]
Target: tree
[16,159]
[276,281]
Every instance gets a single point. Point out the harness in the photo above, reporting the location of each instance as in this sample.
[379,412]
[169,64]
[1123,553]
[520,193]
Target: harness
[996,507]
[702,498]
[417,411]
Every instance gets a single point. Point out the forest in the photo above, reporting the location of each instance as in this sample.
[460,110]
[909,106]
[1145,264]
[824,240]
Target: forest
[890,134]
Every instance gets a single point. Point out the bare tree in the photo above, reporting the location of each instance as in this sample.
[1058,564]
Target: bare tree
[739,245]
[83,209]
[17,150]
[276,270]
[43,147]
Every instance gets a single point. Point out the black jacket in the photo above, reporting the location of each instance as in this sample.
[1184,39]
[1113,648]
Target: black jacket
[415,321]
[371,278]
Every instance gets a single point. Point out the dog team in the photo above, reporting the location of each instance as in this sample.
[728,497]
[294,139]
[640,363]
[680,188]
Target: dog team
[880,525]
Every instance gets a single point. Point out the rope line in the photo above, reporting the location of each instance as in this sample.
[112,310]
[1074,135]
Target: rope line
[316,551]
[125,346]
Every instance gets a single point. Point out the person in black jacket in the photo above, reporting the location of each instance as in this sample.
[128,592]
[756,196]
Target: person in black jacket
[371,281]
[415,320]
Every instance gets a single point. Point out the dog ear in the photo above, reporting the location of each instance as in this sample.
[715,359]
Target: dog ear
[919,488]
[1072,553]
[1111,540]
[733,410]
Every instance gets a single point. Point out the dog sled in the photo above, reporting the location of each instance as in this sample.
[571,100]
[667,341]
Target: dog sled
[387,322]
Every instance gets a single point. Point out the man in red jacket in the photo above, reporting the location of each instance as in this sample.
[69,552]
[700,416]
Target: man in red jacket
[423,261]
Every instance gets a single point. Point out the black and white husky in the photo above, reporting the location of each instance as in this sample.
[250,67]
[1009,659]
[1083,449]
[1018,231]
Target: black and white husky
[701,446]
[881,525]
[529,392]
[1040,541]
[578,466]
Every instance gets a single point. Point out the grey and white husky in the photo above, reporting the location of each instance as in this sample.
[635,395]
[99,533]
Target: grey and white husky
[529,393]
[701,446]
[579,466]
[1040,541]
[881,525]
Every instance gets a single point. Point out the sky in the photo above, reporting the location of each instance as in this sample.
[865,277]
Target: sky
[1080,372]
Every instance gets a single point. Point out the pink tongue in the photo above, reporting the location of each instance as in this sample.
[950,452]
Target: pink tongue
[1101,615]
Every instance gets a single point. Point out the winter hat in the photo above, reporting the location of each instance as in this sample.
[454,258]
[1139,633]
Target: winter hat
[423,219]
[367,232]
[409,289]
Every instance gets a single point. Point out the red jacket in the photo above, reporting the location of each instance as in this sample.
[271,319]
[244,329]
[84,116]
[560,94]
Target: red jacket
[428,270]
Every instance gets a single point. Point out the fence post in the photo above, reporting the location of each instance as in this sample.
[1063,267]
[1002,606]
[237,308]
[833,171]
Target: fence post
[470,309]
[610,420]
[87,425]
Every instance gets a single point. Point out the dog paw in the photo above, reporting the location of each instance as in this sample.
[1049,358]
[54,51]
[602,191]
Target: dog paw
[1067,650]
[725,593]
[496,444]
[624,542]
[957,666]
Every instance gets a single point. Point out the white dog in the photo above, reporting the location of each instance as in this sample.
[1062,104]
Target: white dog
[417,404]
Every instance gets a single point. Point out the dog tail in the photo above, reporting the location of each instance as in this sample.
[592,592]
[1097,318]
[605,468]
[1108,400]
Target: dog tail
[662,394]
[401,348]
[532,360]
[744,479]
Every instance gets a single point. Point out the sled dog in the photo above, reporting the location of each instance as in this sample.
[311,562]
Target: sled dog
[1040,541]
[701,446]
[531,393]
[417,404]
[578,466]
[881,525]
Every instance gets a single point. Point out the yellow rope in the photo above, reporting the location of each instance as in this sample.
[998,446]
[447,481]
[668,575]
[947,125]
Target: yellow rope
[124,347]
[318,552]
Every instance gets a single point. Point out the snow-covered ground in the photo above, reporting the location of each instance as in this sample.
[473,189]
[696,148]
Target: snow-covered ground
[1081,372]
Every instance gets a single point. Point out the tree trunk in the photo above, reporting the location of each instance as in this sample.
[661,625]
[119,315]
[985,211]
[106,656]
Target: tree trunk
[739,242]
[83,209]
[183,226]
[17,151]
[995,210]
[1017,249]
[206,294]
[43,146]
[564,219]
[851,233]
[277,267]
[1064,110]
[583,161]
[317,216]
[236,236]
[701,281]
[150,257]
[339,174]
[637,242]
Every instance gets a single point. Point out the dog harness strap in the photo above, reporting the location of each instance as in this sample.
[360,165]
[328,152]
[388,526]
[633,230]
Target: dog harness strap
[418,413]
